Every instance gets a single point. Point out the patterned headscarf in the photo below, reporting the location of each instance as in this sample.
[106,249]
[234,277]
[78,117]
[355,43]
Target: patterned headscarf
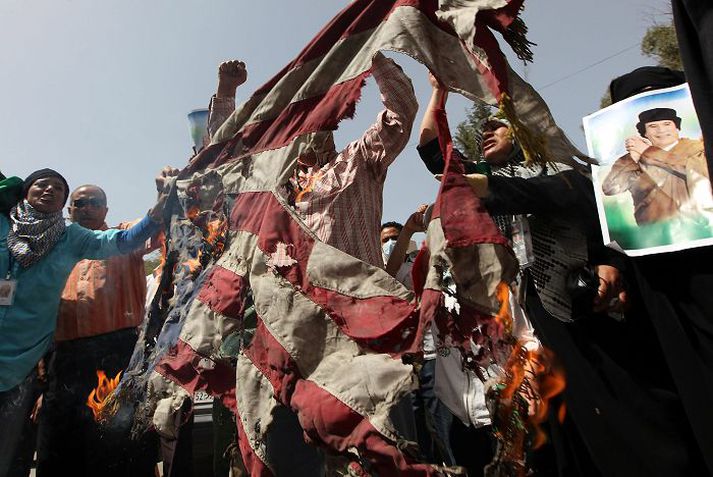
[32,233]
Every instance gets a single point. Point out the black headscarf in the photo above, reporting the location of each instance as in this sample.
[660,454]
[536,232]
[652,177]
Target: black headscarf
[644,79]
[43,174]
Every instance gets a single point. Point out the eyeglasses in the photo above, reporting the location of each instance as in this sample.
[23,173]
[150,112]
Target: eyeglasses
[81,203]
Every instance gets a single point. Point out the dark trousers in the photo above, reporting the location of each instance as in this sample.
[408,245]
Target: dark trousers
[224,436]
[473,447]
[286,446]
[69,440]
[17,441]
[177,454]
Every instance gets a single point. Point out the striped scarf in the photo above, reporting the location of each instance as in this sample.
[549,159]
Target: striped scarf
[32,233]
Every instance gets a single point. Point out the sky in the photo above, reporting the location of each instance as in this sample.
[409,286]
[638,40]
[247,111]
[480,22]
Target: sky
[100,90]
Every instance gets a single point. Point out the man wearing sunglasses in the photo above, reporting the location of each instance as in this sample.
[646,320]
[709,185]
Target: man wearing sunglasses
[101,308]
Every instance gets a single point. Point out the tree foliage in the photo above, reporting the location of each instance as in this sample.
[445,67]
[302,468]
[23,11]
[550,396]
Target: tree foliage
[468,133]
[660,43]
[606,99]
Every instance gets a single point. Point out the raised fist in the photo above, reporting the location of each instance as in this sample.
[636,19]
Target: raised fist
[231,74]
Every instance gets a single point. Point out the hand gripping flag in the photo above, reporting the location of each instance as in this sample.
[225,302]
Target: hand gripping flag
[330,330]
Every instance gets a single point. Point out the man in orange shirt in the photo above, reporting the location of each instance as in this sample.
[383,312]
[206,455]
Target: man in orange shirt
[102,305]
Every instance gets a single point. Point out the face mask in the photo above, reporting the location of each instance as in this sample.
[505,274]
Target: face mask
[388,248]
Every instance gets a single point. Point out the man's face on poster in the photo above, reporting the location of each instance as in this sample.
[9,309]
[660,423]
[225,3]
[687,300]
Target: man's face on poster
[662,133]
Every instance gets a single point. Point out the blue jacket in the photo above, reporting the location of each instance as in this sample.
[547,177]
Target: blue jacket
[27,326]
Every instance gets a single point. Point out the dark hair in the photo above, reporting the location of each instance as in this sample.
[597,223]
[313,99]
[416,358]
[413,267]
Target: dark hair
[393,224]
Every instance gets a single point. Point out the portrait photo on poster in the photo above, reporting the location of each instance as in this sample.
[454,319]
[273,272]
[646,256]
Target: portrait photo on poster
[651,182]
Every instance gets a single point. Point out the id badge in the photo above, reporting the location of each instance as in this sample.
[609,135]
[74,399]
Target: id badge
[7,292]
[522,241]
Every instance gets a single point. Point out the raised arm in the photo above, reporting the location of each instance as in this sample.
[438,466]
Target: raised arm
[415,223]
[98,244]
[231,74]
[429,127]
[388,136]
[429,149]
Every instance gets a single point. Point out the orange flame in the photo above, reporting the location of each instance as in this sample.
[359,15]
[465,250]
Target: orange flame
[534,376]
[212,236]
[309,187]
[522,399]
[194,264]
[99,396]
[193,212]
[503,317]
[562,413]
[216,229]
[550,382]
[161,240]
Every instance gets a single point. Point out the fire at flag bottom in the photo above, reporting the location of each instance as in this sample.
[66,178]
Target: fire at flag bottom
[331,330]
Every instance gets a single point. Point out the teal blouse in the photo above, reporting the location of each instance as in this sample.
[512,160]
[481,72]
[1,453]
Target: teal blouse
[27,326]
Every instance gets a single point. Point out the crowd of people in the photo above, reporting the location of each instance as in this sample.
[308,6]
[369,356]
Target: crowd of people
[634,336]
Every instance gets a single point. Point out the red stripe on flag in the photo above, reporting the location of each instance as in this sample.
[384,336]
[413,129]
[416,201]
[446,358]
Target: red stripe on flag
[223,291]
[360,16]
[185,367]
[253,465]
[323,417]
[326,110]
[464,219]
[383,323]
[260,214]
[318,113]
[210,156]
[328,421]
[274,362]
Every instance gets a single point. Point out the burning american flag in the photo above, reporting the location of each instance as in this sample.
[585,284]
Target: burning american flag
[331,329]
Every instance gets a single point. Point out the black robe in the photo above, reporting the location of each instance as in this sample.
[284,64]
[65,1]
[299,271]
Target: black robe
[694,28]
[627,405]
[629,391]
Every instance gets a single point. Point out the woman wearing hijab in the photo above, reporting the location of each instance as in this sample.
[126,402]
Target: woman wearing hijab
[675,295]
[37,253]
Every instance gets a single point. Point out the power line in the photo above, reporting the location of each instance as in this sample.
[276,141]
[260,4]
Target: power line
[589,67]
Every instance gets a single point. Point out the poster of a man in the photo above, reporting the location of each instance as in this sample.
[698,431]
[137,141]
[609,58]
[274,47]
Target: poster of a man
[652,182]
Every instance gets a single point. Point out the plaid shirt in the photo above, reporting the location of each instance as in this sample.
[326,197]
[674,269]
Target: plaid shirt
[219,111]
[345,204]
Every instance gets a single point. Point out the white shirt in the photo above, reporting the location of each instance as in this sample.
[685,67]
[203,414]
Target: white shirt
[405,278]
[460,389]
